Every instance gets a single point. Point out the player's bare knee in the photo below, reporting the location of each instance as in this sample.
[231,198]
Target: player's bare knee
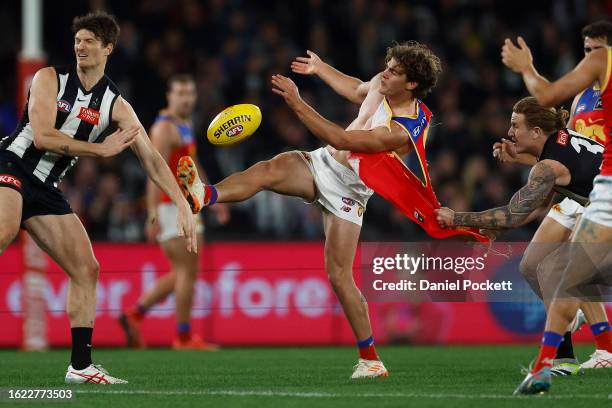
[87,272]
[528,267]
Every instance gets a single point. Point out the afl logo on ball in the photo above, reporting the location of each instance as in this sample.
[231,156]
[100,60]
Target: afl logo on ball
[236,130]
[63,106]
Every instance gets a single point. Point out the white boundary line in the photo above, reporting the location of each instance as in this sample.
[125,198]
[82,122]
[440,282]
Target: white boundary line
[271,393]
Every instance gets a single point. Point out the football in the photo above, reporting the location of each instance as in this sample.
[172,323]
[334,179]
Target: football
[234,124]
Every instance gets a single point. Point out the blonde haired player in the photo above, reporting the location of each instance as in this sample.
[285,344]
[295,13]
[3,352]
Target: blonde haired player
[327,176]
[587,119]
[172,135]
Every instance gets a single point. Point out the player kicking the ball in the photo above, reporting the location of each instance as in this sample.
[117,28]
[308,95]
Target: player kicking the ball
[172,136]
[69,113]
[388,120]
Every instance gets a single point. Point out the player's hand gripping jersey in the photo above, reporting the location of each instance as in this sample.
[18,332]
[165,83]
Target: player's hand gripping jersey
[386,174]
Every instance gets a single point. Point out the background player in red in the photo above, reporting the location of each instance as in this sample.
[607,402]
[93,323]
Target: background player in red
[327,175]
[172,135]
[586,257]
[69,113]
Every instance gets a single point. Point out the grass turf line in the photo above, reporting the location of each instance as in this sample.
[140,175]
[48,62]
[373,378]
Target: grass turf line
[307,377]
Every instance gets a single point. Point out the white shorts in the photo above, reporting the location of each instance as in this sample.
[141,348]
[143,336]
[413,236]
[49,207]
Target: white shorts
[167,222]
[600,208]
[566,213]
[339,189]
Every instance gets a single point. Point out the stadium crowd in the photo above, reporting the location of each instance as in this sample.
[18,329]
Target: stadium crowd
[233,47]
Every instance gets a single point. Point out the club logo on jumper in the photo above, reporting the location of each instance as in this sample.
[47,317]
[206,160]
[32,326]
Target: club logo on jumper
[562,137]
[348,201]
[360,211]
[598,104]
[346,208]
[89,115]
[63,106]
[8,179]
[232,126]
[418,216]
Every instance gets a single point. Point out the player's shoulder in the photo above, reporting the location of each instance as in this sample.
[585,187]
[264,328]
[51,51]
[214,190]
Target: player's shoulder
[46,73]
[112,86]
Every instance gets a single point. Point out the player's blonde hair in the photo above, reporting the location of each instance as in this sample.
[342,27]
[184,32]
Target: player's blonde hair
[536,115]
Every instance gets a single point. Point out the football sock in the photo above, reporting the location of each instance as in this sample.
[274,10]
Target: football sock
[210,194]
[140,311]
[81,347]
[548,350]
[367,350]
[566,348]
[603,336]
[184,331]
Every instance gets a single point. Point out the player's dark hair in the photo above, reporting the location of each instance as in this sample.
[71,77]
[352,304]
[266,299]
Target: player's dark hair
[420,64]
[102,24]
[598,29]
[180,78]
[547,119]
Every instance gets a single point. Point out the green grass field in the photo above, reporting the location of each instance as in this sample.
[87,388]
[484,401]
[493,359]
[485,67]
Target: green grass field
[306,377]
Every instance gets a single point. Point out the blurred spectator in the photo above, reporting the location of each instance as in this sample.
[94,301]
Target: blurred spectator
[233,46]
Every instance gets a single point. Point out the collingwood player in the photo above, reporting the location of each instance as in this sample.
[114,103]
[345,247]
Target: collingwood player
[71,112]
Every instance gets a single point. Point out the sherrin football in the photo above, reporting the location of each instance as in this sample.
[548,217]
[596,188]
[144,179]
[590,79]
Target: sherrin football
[234,124]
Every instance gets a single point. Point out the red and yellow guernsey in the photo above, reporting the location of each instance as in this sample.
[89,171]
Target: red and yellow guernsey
[606,101]
[387,174]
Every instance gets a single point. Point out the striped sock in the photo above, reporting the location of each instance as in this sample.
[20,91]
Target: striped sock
[603,336]
[184,331]
[367,350]
[548,350]
[210,194]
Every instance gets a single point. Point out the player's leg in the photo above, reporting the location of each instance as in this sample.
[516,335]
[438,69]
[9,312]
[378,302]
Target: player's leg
[10,216]
[286,173]
[547,238]
[64,238]
[185,266]
[131,318]
[341,239]
[554,230]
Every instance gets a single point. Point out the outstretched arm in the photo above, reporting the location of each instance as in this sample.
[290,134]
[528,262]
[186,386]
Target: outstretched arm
[360,141]
[158,170]
[519,59]
[535,194]
[353,89]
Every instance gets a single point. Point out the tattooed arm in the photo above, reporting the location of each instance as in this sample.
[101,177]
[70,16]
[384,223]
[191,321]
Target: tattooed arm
[535,194]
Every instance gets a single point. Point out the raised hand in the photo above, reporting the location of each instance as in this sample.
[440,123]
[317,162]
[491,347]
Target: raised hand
[286,88]
[306,65]
[518,59]
[505,151]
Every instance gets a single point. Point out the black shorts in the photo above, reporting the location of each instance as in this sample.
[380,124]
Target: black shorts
[38,197]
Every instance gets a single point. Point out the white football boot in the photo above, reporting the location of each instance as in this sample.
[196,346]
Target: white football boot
[599,359]
[369,369]
[94,374]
